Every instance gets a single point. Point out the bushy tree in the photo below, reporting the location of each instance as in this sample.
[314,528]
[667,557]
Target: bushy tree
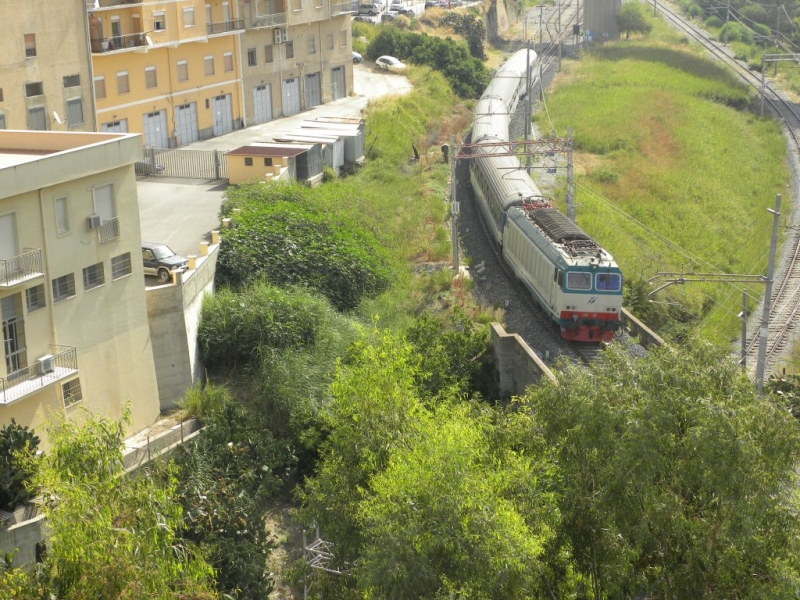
[631,19]
[111,536]
[677,479]
[18,446]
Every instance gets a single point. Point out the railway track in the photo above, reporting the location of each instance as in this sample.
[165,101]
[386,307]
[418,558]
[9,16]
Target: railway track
[783,316]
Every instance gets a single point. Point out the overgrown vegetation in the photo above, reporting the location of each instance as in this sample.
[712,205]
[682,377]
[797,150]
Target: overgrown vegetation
[669,136]
[18,446]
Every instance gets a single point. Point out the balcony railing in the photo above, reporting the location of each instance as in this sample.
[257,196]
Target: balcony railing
[18,269]
[118,42]
[109,230]
[272,20]
[62,364]
[225,26]
[339,8]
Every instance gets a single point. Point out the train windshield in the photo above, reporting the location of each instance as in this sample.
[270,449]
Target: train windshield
[608,282]
[579,281]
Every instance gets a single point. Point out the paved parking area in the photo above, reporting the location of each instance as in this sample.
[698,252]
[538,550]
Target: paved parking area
[182,212]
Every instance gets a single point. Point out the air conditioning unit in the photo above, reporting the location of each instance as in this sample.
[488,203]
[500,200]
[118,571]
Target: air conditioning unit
[47,364]
[280,35]
[93,221]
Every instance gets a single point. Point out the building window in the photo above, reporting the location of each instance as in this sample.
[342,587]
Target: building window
[93,276]
[71,390]
[1,94]
[183,70]
[251,57]
[63,287]
[34,89]
[297,4]
[123,86]
[330,41]
[312,44]
[159,21]
[343,38]
[248,161]
[209,65]
[30,45]
[100,87]
[72,81]
[13,326]
[268,161]
[150,77]
[267,55]
[121,265]
[227,61]
[188,17]
[62,216]
[75,112]
[34,298]
[289,49]
[37,119]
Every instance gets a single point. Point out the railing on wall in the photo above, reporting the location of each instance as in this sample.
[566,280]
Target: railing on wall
[268,20]
[62,363]
[225,26]
[118,42]
[19,268]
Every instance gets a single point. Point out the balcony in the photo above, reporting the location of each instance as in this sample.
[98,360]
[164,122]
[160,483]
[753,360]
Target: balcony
[272,20]
[118,42]
[341,8]
[96,4]
[108,230]
[225,26]
[22,268]
[33,379]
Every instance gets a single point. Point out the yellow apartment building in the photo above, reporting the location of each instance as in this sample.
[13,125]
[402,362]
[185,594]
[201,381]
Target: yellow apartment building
[296,54]
[72,300]
[45,70]
[169,69]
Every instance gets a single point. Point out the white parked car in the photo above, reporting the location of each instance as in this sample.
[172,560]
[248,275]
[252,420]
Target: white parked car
[390,63]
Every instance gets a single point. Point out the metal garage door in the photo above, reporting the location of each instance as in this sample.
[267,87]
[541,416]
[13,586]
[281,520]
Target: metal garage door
[223,114]
[186,119]
[263,102]
[337,83]
[291,96]
[313,90]
[155,129]
[120,126]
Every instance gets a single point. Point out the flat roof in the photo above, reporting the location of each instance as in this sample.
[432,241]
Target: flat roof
[266,150]
[19,146]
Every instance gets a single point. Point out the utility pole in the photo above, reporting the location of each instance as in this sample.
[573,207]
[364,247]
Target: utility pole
[655,7]
[559,35]
[762,342]
[727,21]
[570,177]
[527,94]
[743,317]
[541,50]
[454,204]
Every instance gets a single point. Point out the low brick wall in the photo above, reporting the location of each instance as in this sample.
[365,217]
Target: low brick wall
[517,365]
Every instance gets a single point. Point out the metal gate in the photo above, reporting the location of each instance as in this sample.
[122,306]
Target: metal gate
[338,89]
[120,126]
[313,90]
[155,129]
[223,114]
[291,96]
[183,162]
[262,95]
[186,120]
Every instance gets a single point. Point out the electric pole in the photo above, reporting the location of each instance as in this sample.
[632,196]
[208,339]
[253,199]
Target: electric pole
[762,342]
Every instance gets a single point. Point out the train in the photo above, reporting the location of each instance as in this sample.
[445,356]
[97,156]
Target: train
[575,281]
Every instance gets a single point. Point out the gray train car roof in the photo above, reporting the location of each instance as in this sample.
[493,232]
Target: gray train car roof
[491,121]
[507,179]
[561,240]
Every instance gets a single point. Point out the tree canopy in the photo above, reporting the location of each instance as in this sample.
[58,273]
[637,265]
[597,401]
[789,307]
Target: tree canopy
[631,19]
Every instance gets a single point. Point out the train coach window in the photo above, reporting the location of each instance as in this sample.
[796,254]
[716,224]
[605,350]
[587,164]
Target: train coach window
[608,282]
[579,281]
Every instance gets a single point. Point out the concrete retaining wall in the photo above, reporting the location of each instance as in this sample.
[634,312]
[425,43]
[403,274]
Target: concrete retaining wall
[517,365]
[173,312]
[647,337]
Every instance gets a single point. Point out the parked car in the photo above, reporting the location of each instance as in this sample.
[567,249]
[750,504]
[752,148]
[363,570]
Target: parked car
[390,63]
[160,261]
[357,58]
[369,9]
[389,15]
[396,5]
[408,12]
[364,19]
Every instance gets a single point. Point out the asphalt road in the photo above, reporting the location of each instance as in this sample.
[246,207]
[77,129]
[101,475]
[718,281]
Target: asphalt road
[182,212]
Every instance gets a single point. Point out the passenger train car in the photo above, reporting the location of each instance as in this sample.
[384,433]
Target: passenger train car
[572,278]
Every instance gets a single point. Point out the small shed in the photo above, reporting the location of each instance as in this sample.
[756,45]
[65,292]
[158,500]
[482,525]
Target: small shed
[352,134]
[263,162]
[332,146]
[308,164]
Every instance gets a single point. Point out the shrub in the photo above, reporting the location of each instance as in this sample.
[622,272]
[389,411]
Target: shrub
[17,445]
[714,21]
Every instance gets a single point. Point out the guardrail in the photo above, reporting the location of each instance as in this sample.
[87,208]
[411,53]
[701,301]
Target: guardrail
[225,26]
[118,42]
[39,375]
[18,268]
[270,20]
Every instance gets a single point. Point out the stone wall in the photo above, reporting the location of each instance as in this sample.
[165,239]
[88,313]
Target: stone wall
[517,365]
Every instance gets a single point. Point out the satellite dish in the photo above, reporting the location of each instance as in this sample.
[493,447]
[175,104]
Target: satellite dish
[56,117]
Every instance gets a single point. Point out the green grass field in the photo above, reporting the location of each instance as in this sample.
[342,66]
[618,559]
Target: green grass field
[674,171]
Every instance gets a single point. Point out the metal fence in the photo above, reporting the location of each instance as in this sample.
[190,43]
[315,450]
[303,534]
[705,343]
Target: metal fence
[30,379]
[183,162]
[17,268]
